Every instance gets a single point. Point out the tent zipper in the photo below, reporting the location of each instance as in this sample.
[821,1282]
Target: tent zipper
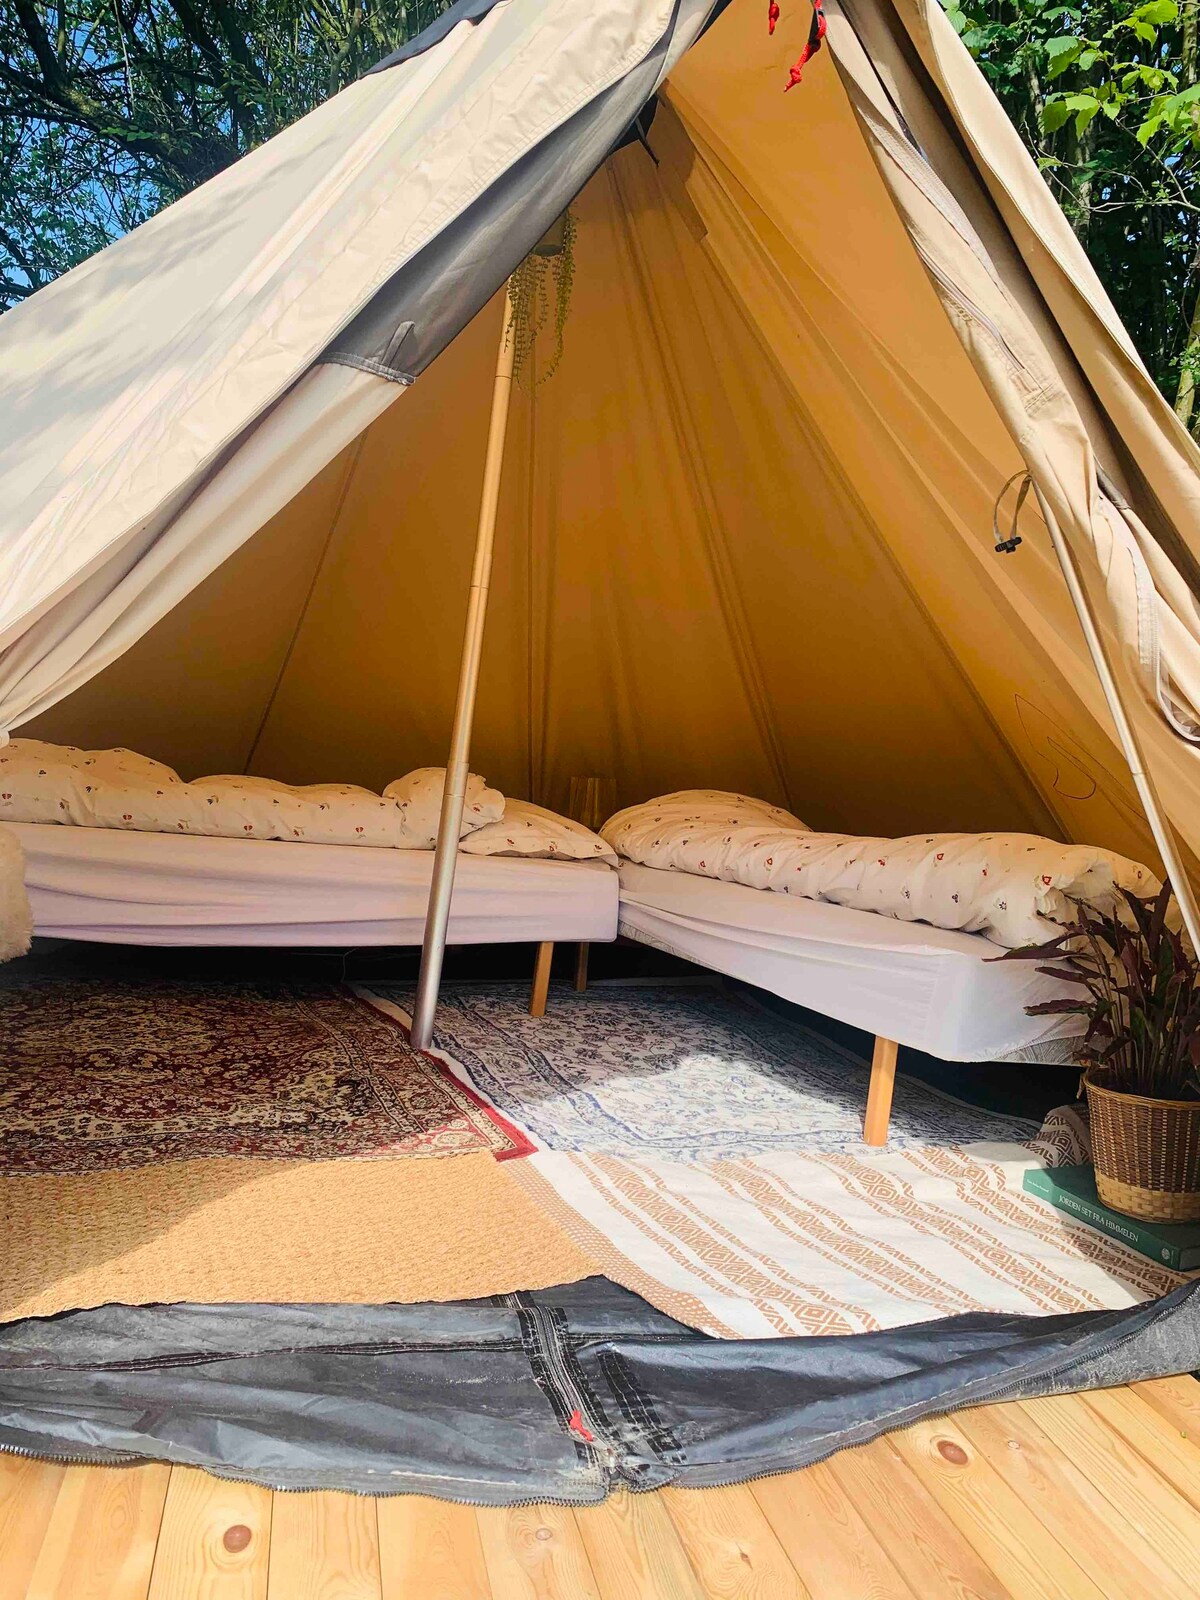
[117,1461]
[968,306]
[586,1426]
[1015,1390]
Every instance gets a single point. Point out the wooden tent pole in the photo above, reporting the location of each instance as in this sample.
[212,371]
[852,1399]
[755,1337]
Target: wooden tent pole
[1164,836]
[437,916]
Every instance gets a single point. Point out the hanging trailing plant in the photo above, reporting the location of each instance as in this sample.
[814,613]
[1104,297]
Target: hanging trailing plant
[540,294]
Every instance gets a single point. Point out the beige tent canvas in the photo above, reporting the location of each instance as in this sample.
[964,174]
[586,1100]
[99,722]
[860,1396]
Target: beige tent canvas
[745,534]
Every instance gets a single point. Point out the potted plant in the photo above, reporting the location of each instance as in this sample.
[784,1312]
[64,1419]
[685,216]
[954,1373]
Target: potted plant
[1140,1052]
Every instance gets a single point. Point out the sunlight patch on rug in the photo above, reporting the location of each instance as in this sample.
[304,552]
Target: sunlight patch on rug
[681,1072]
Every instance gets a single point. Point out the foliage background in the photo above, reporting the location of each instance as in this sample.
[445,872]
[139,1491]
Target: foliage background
[110,109]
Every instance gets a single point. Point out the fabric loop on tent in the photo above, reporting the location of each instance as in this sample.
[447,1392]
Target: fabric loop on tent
[1006,544]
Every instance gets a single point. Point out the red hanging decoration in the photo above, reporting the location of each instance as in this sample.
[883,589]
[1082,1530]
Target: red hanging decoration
[816,34]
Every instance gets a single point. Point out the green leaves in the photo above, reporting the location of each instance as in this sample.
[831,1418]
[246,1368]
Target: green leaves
[1104,94]
[1173,119]
[1062,53]
[1139,989]
[1060,108]
[1158,12]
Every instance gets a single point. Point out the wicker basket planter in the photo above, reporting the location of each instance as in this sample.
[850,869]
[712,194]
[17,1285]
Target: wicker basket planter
[1146,1154]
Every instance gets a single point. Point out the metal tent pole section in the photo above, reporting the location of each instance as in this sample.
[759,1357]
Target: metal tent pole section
[1164,836]
[437,916]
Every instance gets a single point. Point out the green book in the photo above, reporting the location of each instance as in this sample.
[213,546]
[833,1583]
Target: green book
[1073,1190]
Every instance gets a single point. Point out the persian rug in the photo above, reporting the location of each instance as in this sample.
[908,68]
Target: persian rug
[844,1242]
[96,1074]
[231,1230]
[686,1073]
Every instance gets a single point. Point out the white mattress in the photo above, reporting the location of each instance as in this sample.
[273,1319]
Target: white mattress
[933,989]
[156,888]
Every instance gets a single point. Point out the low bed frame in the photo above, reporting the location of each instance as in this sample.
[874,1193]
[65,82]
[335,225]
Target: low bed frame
[113,886]
[907,983]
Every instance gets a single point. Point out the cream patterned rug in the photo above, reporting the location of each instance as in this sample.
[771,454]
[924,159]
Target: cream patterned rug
[847,1242]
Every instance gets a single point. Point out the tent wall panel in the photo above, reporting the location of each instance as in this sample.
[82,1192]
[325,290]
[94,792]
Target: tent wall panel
[745,529]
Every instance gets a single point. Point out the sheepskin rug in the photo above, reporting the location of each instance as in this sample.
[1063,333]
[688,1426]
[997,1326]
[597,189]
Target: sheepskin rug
[16,919]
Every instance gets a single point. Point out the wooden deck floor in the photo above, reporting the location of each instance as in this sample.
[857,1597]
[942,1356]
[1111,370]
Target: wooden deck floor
[1079,1496]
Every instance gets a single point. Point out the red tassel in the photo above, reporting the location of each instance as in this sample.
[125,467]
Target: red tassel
[772,15]
[815,35]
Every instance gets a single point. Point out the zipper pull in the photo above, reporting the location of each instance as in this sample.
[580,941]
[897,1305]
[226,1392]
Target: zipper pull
[577,1426]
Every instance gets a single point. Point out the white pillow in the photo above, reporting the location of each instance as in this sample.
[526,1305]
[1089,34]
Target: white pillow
[529,830]
[705,831]
[42,782]
[418,796]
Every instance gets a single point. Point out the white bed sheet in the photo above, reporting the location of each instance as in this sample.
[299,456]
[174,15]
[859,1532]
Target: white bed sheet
[118,887]
[933,989]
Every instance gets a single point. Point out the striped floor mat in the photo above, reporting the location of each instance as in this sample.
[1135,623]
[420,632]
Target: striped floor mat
[785,1244]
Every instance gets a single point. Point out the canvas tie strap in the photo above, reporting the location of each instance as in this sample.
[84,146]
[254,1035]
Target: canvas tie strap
[1005,545]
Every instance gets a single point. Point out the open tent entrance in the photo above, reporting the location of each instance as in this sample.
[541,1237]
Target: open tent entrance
[745,533]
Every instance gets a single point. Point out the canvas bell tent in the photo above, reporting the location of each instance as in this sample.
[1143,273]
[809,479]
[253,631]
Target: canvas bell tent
[745,532]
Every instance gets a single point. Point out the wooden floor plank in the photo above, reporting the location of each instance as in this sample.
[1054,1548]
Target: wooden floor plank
[215,1540]
[635,1551]
[927,1548]
[536,1553]
[1104,1504]
[1073,1497]
[826,1539]
[28,1490]
[430,1549]
[324,1546]
[1159,1442]
[1177,1399]
[100,1538]
[1024,1555]
[732,1547]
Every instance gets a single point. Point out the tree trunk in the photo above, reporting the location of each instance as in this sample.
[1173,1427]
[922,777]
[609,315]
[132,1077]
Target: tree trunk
[1189,16]
[1185,396]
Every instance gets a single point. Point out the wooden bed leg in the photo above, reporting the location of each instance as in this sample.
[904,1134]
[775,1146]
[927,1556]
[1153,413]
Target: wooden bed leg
[541,979]
[581,961]
[879,1095]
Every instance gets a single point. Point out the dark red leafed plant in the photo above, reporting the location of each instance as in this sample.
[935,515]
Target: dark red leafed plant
[1140,995]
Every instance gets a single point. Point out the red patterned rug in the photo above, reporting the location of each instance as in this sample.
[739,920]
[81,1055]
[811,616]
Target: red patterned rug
[105,1074]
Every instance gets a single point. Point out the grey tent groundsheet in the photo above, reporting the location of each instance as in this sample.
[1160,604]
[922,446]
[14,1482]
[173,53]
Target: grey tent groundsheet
[556,1395]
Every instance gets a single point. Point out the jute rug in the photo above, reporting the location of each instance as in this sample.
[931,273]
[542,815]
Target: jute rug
[277,1231]
[97,1073]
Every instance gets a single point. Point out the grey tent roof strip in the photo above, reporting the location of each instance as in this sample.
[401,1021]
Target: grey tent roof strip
[460,11]
[377,369]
